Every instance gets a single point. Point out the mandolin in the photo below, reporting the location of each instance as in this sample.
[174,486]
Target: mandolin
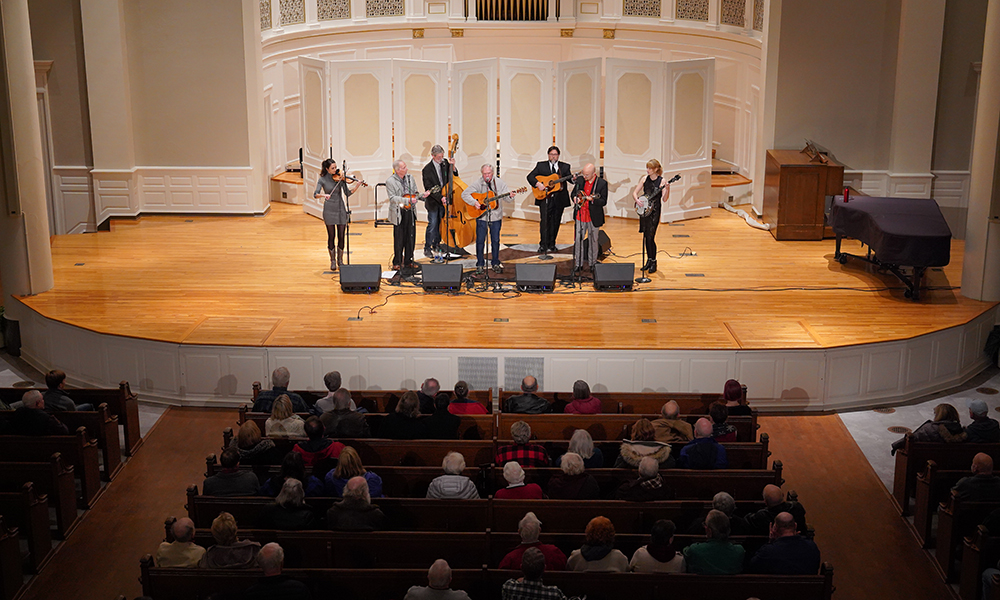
[491,200]
[410,200]
[553,183]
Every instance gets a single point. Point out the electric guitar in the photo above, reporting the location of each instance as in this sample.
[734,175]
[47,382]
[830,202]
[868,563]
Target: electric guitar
[491,200]
[553,183]
[410,200]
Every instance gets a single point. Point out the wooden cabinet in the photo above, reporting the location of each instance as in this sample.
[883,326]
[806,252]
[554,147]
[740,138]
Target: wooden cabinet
[795,191]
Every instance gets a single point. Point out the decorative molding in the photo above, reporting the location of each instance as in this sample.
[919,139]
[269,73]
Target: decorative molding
[734,13]
[566,33]
[609,34]
[886,184]
[951,188]
[195,189]
[73,196]
[385,8]
[265,14]
[457,33]
[692,10]
[328,10]
[758,15]
[641,8]
[418,34]
[293,12]
[114,193]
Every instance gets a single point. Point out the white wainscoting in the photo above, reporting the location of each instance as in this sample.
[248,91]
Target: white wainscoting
[74,199]
[195,189]
[802,380]
[886,184]
[951,188]
[115,193]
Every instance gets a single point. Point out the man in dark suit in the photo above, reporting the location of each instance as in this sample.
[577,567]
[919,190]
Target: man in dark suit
[590,195]
[438,171]
[550,210]
[788,553]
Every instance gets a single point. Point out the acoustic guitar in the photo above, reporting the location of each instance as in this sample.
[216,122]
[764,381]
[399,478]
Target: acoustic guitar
[553,183]
[410,200]
[491,200]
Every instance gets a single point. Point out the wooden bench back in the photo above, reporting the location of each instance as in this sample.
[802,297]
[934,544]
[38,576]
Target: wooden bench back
[470,427]
[377,401]
[957,519]
[640,403]
[913,456]
[53,478]
[76,449]
[11,569]
[603,427]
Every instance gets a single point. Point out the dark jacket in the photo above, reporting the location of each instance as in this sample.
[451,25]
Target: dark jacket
[395,426]
[528,404]
[789,555]
[34,421]
[983,431]
[431,176]
[442,425]
[234,483]
[737,526]
[265,400]
[644,490]
[759,523]
[348,515]
[345,423]
[426,403]
[978,488]
[241,555]
[703,454]
[275,516]
[600,194]
[574,487]
[57,400]
[264,453]
[277,587]
[544,168]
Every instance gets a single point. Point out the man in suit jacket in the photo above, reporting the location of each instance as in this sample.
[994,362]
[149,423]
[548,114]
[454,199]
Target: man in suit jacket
[588,214]
[551,209]
[437,172]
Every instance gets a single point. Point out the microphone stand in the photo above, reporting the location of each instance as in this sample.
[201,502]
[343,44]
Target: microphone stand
[544,220]
[642,278]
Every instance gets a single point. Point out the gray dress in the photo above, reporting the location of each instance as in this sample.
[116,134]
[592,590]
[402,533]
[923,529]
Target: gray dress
[334,209]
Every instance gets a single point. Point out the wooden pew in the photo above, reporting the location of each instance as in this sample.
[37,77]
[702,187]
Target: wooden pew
[639,403]
[741,455]
[979,552]
[378,401]
[933,487]
[913,456]
[604,427]
[76,449]
[11,567]
[54,479]
[470,427]
[122,403]
[956,520]
[30,513]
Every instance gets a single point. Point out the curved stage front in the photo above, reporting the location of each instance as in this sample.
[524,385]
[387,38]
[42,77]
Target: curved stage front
[193,310]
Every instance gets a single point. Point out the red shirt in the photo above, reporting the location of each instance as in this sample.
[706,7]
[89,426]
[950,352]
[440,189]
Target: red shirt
[587,406]
[528,491]
[311,457]
[555,560]
[584,213]
[467,407]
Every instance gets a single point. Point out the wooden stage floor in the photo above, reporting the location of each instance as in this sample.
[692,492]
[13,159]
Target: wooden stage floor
[261,281]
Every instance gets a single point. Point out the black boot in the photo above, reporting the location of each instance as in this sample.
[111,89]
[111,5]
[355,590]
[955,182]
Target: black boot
[333,261]
[651,268]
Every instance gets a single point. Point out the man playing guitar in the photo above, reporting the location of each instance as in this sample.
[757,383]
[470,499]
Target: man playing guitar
[590,196]
[489,220]
[550,197]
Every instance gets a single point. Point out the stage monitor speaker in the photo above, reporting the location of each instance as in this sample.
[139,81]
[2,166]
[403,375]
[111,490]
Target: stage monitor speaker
[614,277]
[535,278]
[603,246]
[360,278]
[442,278]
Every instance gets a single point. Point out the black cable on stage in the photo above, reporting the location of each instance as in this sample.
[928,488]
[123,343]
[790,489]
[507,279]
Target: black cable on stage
[687,251]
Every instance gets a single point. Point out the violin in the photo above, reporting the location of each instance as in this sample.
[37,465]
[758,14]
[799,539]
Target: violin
[338,176]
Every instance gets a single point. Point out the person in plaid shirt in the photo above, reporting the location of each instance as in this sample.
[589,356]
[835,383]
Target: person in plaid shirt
[527,455]
[530,586]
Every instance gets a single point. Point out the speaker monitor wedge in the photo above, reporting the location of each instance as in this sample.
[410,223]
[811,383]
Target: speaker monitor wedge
[360,278]
[441,278]
[535,278]
[614,277]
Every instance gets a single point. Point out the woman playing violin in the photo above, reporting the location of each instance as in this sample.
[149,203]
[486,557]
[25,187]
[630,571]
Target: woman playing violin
[333,189]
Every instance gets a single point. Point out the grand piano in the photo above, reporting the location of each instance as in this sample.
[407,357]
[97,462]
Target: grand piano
[899,232]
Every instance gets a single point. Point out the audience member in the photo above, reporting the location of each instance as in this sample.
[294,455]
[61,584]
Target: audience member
[527,402]
[442,425]
[573,483]
[31,419]
[438,585]
[289,512]
[598,552]
[516,488]
[717,556]
[525,453]
[462,405]
[228,552]
[283,422]
[231,481]
[788,553]
[759,523]
[182,552]
[983,429]
[583,444]
[356,511]
[332,381]
[721,431]
[945,427]
[317,449]
[293,467]
[983,485]
[670,428]
[254,450]
[703,452]
[453,485]
[428,391]
[583,402]
[530,528]
[405,423]
[273,585]
[641,445]
[279,387]
[648,487]
[56,398]
[342,421]
[659,555]
[727,505]
[529,586]
[349,467]
[732,395]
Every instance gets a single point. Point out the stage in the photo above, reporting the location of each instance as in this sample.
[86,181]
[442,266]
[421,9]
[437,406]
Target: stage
[239,295]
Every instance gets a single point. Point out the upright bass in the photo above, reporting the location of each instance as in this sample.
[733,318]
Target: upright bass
[458,228]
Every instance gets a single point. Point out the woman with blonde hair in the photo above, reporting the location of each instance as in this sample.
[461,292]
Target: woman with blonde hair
[348,466]
[253,449]
[654,188]
[283,421]
[228,552]
[945,427]
[643,444]
[405,423]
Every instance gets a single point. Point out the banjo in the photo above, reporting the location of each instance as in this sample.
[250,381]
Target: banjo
[644,204]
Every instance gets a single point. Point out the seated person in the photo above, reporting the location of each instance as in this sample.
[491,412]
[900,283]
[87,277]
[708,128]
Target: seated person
[228,552]
[727,505]
[721,431]
[342,421]
[788,553]
[182,552]
[530,528]
[356,511]
[598,552]
[253,449]
[983,485]
[273,585]
[405,423]
[659,555]
[279,382]
[425,395]
[583,403]
[703,452]
[670,428]
[573,483]
[530,587]
[332,381]
[759,523]
[983,429]
[648,487]
[293,467]
[231,481]
[583,444]
[516,488]
[283,422]
[732,395]
[438,585]
[527,402]
[525,453]
[289,512]
[462,405]
[317,449]
[442,425]
[55,396]
[349,467]
[717,556]
[642,445]
[453,485]
[945,427]
[31,419]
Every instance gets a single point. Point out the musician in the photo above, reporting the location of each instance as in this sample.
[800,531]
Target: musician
[654,187]
[437,172]
[403,195]
[550,209]
[590,195]
[489,221]
[333,189]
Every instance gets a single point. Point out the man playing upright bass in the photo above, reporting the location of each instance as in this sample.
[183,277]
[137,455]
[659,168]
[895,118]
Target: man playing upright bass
[438,172]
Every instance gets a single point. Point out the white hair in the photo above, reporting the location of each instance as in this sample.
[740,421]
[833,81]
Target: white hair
[486,166]
[397,163]
[648,467]
[357,489]
[530,528]
[724,502]
[280,377]
[270,558]
[436,149]
[582,443]
[291,493]
[513,472]
[33,399]
[571,463]
[453,463]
